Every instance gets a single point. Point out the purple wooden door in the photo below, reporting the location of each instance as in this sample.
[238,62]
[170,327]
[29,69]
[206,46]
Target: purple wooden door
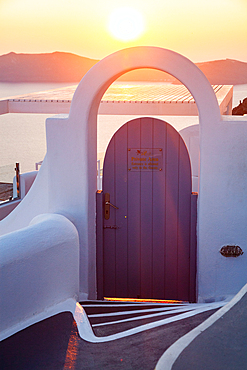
[148,248]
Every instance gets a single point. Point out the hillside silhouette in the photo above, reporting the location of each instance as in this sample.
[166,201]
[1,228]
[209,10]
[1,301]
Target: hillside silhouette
[49,67]
[68,67]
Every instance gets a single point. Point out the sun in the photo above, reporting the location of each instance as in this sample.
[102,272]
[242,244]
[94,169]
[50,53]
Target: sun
[126,24]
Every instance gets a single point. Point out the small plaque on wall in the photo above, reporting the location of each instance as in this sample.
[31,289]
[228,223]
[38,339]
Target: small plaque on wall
[231,251]
[145,159]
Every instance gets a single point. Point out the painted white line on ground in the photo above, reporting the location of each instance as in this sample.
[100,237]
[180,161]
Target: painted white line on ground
[86,332]
[83,324]
[171,354]
[122,313]
[173,312]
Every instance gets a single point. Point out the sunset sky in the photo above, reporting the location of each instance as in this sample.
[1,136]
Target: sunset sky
[199,29]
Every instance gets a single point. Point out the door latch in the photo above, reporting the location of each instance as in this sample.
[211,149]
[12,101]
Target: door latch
[111,205]
[108,204]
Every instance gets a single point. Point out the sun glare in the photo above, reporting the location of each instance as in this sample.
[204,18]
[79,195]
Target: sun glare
[126,24]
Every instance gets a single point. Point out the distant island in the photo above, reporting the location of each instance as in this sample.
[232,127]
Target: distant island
[68,67]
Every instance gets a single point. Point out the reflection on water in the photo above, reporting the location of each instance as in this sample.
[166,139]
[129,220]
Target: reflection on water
[8,89]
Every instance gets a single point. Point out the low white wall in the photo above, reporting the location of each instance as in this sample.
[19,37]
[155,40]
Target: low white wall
[26,181]
[39,269]
[7,207]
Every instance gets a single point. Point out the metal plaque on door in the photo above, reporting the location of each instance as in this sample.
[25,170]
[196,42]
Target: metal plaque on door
[149,159]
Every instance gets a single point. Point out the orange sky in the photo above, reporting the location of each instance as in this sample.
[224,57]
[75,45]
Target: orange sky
[199,29]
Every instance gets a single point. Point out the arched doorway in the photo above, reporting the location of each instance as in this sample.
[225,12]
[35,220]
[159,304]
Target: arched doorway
[82,125]
[148,226]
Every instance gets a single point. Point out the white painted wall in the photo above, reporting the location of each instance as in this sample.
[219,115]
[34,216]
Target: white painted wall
[66,182]
[26,181]
[39,269]
[222,217]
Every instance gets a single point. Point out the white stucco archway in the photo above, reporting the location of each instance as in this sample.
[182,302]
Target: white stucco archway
[86,100]
[66,183]
[105,72]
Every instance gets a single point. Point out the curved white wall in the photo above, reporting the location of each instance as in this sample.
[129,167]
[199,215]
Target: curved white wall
[26,181]
[39,269]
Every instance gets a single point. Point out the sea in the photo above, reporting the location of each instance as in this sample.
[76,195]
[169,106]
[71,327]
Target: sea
[22,136]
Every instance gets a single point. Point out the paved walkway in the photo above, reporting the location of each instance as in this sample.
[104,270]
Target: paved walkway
[219,343]
[55,344]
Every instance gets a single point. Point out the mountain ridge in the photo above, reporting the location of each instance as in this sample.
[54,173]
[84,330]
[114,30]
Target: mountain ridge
[68,67]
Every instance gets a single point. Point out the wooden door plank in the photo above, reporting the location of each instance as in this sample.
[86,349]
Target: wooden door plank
[159,212]
[109,262]
[172,155]
[121,191]
[100,243]
[134,216]
[146,193]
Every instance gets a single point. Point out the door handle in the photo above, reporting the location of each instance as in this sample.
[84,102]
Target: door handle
[111,205]
[108,204]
